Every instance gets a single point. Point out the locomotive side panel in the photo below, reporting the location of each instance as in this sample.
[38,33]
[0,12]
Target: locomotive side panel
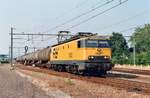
[67,52]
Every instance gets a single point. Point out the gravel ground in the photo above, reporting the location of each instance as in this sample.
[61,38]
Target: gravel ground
[139,77]
[79,88]
[14,86]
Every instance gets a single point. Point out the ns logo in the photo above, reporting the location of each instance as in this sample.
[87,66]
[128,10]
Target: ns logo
[99,51]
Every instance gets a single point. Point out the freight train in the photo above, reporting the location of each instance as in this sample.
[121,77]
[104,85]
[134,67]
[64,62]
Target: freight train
[83,53]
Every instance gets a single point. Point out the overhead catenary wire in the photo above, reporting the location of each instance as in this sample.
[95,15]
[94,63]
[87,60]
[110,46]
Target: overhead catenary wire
[45,40]
[129,29]
[78,5]
[132,28]
[127,19]
[88,19]
[82,14]
[107,3]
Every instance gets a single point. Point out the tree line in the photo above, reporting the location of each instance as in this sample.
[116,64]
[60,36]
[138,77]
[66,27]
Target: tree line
[122,50]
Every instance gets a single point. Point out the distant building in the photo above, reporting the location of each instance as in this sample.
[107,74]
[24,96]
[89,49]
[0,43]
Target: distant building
[4,58]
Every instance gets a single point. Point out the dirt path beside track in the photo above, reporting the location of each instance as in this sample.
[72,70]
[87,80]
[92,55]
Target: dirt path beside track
[14,86]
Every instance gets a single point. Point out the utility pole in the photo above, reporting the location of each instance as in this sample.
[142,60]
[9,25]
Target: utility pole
[134,53]
[11,50]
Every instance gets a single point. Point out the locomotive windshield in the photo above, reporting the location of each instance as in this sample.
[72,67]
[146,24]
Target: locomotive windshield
[97,43]
[103,43]
[94,43]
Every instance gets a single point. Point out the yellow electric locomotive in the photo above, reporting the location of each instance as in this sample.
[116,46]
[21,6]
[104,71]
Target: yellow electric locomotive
[85,52]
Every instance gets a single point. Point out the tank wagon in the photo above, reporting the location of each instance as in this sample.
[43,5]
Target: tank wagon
[83,53]
[37,58]
[44,57]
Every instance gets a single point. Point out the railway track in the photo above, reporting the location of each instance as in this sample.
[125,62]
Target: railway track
[110,80]
[134,71]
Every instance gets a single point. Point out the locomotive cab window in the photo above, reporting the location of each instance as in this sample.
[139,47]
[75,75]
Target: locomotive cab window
[92,43]
[103,44]
[97,43]
[68,46]
[81,43]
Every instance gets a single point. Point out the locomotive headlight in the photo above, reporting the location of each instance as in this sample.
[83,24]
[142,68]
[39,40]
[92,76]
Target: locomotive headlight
[91,57]
[106,57]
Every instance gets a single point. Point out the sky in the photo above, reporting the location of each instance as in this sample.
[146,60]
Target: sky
[34,16]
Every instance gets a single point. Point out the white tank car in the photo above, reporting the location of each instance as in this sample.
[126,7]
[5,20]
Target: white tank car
[44,54]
